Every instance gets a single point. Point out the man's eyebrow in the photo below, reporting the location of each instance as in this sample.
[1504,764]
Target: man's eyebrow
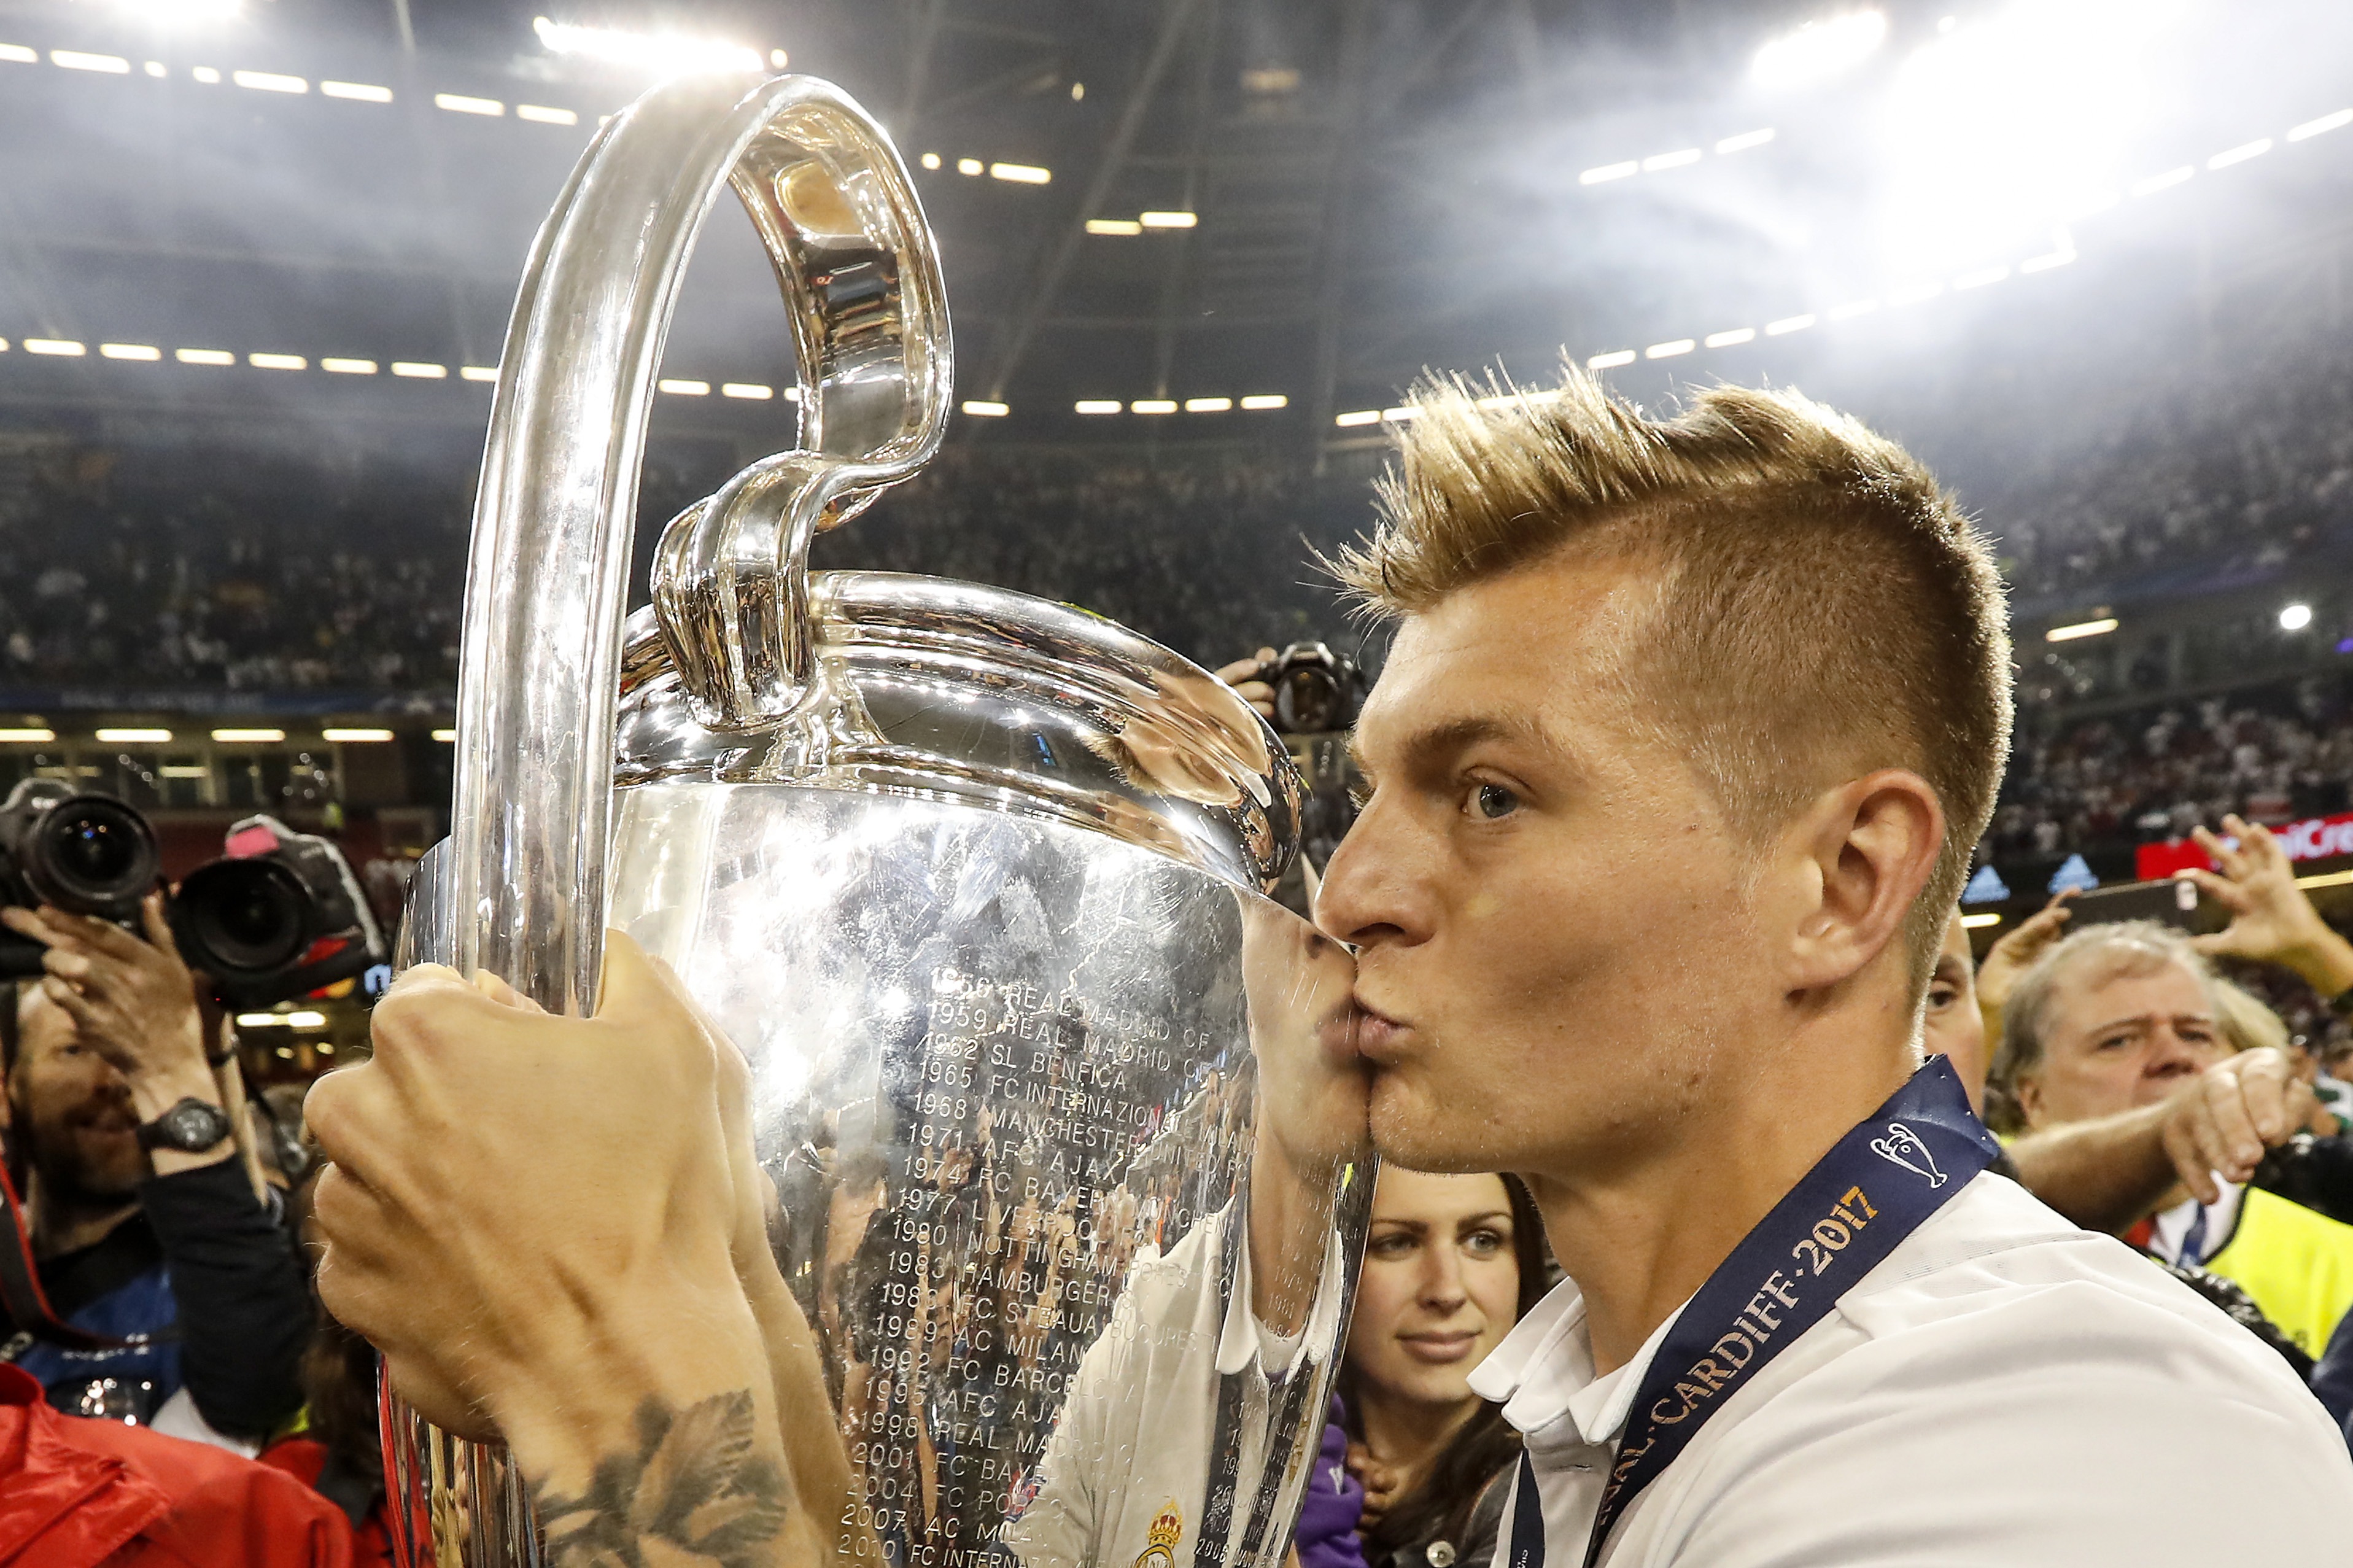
[1454,735]
[2149,1021]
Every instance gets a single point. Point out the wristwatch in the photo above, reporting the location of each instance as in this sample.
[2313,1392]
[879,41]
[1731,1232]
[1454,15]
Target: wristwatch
[191,1126]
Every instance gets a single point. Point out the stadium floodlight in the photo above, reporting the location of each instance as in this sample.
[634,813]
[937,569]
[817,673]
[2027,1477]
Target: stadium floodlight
[29,736]
[1680,158]
[1788,325]
[678,387]
[1021,173]
[656,54]
[1913,293]
[459,103]
[1611,360]
[357,91]
[420,370]
[2294,617]
[2240,154]
[444,736]
[1980,921]
[204,357]
[985,408]
[1742,142]
[2080,630]
[248,737]
[930,160]
[970,166]
[479,372]
[1669,349]
[1729,339]
[541,114]
[1980,277]
[63,347]
[1153,406]
[205,74]
[1609,172]
[276,361]
[269,81]
[1358,417]
[155,69]
[1401,414]
[349,366]
[135,736]
[751,391]
[1820,50]
[306,1019]
[75,59]
[1208,404]
[1114,226]
[261,1020]
[1851,309]
[18,53]
[1261,400]
[2048,260]
[130,351]
[1098,406]
[2311,128]
[1167,220]
[358,737]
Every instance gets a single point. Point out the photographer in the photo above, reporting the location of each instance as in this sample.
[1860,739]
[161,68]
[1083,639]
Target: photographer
[2210,1126]
[144,1220]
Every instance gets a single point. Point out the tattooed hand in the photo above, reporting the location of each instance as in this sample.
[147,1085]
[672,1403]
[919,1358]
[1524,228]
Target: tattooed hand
[534,1219]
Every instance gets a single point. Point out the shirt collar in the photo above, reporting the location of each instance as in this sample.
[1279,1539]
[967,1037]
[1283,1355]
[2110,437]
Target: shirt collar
[1543,1371]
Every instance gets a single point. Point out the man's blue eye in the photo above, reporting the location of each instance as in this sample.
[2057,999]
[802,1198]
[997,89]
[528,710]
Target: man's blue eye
[1494,801]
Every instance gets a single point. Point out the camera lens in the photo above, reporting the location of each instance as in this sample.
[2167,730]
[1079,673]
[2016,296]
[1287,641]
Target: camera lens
[1306,703]
[244,916]
[94,856]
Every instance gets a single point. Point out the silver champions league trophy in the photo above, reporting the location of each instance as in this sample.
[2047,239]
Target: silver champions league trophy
[1062,1113]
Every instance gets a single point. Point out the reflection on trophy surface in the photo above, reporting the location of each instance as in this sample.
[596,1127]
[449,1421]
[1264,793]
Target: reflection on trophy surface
[1063,1116]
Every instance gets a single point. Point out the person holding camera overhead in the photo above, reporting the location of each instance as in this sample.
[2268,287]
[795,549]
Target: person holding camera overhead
[143,1223]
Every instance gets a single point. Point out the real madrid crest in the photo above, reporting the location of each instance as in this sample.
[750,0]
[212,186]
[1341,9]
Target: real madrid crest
[1168,1530]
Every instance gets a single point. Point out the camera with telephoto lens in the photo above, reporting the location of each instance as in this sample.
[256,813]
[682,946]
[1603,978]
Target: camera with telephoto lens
[1316,691]
[278,917]
[87,854]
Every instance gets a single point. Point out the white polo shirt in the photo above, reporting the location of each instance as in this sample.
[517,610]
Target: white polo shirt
[2004,1389]
[1127,1466]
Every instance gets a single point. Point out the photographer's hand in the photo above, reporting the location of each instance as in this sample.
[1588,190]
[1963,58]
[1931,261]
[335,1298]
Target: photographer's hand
[2271,921]
[2011,957]
[1242,676]
[133,1003]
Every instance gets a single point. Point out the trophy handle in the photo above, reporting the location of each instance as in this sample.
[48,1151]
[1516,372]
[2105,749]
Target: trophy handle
[520,887]
[556,512]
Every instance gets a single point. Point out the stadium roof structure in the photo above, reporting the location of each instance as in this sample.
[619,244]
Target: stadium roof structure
[1216,219]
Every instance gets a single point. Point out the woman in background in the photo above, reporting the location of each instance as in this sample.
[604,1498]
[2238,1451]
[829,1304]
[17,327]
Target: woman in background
[1451,1262]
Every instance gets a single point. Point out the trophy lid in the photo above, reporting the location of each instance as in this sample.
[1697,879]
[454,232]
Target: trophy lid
[949,691]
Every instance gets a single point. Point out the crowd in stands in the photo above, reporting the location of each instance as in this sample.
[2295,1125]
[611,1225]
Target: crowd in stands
[2215,471]
[2272,753]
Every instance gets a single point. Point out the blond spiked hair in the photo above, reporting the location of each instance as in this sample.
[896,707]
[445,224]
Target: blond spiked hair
[1823,608]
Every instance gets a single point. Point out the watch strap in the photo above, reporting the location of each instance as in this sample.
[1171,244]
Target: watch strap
[161,1133]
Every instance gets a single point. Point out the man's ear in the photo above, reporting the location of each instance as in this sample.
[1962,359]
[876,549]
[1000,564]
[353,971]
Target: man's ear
[2027,1090]
[1872,844]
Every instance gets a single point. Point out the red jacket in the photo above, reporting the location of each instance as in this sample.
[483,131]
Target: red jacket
[77,1493]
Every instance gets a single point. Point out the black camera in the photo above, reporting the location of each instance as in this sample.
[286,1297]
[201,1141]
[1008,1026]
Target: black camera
[1316,691]
[278,917]
[87,854]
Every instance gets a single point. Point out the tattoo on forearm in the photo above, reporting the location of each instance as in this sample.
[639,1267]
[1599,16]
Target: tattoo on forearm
[696,1490]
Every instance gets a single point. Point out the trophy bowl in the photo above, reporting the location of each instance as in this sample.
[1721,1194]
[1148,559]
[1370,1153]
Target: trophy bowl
[1062,1114]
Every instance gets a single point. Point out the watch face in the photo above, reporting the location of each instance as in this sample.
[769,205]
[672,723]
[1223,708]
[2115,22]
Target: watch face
[192,1126]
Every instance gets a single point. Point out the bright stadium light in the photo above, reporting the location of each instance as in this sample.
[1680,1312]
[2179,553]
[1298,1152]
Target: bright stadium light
[1098,406]
[248,737]
[2080,629]
[1820,50]
[362,737]
[2022,122]
[1264,400]
[2296,616]
[1114,226]
[985,408]
[170,11]
[656,54]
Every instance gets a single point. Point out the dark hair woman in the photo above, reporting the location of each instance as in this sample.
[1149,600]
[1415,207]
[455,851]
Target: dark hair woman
[1451,1265]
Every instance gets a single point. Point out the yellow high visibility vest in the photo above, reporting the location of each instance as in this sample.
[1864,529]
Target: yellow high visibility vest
[2298,1266]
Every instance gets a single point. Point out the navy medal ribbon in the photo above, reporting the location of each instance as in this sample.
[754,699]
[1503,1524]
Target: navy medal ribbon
[1876,1186]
